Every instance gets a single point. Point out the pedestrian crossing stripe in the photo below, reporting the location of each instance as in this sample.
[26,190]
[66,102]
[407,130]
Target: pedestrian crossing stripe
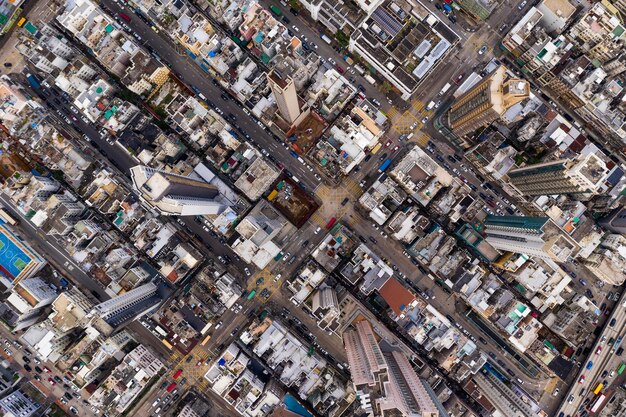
[393,112]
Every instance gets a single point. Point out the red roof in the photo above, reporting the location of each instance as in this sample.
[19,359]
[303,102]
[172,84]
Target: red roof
[396,295]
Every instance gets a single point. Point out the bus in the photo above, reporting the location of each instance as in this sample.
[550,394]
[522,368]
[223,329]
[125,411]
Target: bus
[251,295]
[331,223]
[377,148]
[171,387]
[621,368]
[21,22]
[598,403]
[124,17]
[206,340]
[276,10]
[383,167]
[598,388]
[177,374]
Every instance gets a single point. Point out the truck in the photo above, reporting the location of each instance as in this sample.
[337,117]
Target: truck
[430,106]
[177,374]
[377,148]
[171,387]
[370,79]
[325,38]
[276,10]
[621,368]
[598,388]
[348,60]
[33,81]
[445,89]
[251,295]
[383,167]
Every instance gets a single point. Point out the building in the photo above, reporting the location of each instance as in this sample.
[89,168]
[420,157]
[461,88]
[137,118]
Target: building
[608,261]
[383,377]
[134,303]
[17,404]
[499,395]
[486,101]
[286,96]
[567,176]
[17,259]
[533,236]
[28,298]
[176,195]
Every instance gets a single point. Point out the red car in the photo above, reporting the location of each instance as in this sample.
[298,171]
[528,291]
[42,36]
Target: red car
[51,381]
[459,78]
[45,368]
[581,379]
[388,143]
[341,70]
[598,350]
[395,148]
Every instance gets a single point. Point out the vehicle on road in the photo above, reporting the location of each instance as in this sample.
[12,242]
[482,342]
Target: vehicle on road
[331,223]
[177,374]
[171,387]
[522,4]
[482,50]
[383,167]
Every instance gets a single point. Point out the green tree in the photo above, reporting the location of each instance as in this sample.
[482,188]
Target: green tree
[295,4]
[386,87]
[342,39]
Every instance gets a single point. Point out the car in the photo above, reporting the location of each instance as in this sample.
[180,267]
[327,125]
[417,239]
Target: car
[332,61]
[482,50]
[25,359]
[598,350]
[317,230]
[500,362]
[247,271]
[459,78]
[373,240]
[388,143]
[51,381]
[424,120]
[522,4]
[340,69]
[48,371]
[510,372]
[73,410]
[582,282]
[395,148]
[502,28]
[7,65]
[28,368]
[612,322]
[345,201]
[438,6]
[581,379]
[218,325]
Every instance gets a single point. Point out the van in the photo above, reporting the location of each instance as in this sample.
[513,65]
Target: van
[301,160]
[430,106]
[295,179]
[202,96]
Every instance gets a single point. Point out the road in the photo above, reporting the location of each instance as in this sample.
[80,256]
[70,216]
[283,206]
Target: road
[185,66]
[53,391]
[604,360]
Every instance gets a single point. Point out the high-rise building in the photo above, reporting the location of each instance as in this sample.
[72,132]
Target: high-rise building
[26,301]
[176,195]
[532,236]
[17,404]
[17,259]
[383,377]
[615,221]
[486,101]
[285,95]
[566,176]
[128,306]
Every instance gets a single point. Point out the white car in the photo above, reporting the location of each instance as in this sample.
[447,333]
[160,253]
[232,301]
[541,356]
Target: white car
[332,61]
[295,28]
[247,271]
